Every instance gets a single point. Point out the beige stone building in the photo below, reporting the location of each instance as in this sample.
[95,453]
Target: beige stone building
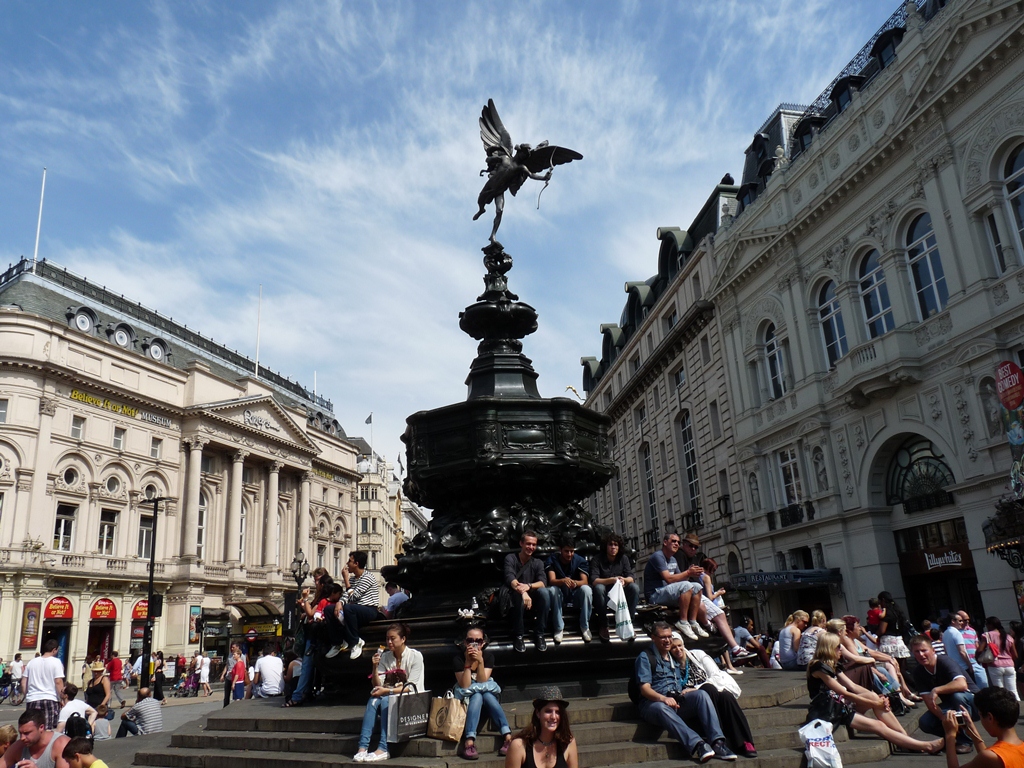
[377,511]
[105,405]
[865,289]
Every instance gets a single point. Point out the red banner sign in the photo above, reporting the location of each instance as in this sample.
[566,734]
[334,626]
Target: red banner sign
[59,608]
[1010,385]
[140,611]
[104,609]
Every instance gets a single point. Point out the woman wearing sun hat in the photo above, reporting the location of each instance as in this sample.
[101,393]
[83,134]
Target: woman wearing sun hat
[547,742]
[97,689]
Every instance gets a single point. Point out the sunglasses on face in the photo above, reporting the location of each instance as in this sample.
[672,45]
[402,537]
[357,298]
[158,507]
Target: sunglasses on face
[474,641]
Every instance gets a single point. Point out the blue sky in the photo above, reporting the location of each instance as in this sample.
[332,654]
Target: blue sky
[330,151]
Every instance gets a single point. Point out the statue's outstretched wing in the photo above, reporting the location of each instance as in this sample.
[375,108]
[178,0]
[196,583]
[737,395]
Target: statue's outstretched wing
[492,130]
[545,156]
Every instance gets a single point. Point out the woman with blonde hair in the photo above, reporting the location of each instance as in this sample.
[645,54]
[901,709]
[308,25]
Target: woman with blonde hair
[809,639]
[836,699]
[789,638]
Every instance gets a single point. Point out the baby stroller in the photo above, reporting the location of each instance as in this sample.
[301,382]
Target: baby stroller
[188,685]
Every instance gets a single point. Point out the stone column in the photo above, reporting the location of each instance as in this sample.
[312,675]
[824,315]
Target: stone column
[233,529]
[39,521]
[303,542]
[270,531]
[190,517]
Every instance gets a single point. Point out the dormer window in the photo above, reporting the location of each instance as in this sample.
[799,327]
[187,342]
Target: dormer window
[803,134]
[842,94]
[884,49]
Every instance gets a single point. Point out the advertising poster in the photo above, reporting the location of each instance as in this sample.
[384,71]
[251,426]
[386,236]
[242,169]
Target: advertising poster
[194,612]
[1010,388]
[1018,593]
[30,626]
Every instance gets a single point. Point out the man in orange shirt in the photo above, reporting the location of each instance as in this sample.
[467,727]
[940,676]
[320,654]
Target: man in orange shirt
[999,712]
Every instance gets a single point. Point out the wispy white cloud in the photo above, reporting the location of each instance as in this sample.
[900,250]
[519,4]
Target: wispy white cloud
[330,151]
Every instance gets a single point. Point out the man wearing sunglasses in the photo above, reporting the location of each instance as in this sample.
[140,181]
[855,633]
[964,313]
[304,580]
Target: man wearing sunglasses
[673,584]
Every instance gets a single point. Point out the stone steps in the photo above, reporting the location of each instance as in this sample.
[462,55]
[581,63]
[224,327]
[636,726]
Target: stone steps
[607,728]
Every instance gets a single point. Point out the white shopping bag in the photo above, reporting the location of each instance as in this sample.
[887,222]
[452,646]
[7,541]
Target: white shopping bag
[774,662]
[623,621]
[820,746]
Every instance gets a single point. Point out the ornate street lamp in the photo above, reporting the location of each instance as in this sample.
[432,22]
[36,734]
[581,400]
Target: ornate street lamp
[300,569]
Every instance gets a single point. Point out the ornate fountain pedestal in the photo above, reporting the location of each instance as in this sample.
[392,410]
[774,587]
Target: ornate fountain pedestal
[505,461]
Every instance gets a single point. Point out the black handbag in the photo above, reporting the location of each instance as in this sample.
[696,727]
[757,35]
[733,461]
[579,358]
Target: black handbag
[831,706]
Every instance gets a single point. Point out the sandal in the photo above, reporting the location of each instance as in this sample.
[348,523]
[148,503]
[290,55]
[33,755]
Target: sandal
[291,703]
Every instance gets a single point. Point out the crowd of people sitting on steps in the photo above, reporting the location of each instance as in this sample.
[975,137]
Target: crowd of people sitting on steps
[858,675]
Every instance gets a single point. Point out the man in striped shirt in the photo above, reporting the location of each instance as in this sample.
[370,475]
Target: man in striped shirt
[144,718]
[361,598]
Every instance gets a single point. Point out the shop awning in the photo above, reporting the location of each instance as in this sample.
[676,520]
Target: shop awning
[764,581]
[255,609]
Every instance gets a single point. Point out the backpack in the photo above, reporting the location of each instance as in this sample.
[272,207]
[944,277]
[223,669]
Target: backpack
[633,686]
[77,726]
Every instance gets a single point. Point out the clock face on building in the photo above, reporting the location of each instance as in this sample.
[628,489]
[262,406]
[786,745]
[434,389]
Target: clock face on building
[83,322]
[156,351]
[121,337]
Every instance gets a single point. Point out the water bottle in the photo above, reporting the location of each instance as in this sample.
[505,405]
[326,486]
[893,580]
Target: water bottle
[475,606]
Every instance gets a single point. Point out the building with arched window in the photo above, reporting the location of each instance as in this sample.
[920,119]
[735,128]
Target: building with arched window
[861,289]
[105,406]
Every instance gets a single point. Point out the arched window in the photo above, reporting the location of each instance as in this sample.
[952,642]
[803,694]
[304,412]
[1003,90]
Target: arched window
[918,476]
[926,267]
[1013,175]
[689,450]
[773,359]
[833,332]
[201,527]
[733,564]
[874,294]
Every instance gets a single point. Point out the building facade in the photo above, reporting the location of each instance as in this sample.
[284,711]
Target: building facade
[865,289]
[106,406]
[379,534]
[662,380]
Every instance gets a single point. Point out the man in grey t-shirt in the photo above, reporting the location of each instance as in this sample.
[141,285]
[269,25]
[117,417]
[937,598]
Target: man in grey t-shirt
[144,718]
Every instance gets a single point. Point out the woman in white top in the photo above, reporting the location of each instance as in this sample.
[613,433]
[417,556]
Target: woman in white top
[395,671]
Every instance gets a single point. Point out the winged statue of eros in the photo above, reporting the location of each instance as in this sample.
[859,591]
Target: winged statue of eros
[508,166]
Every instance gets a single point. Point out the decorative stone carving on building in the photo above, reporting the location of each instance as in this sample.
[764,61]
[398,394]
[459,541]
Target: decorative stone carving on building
[1007,119]
[755,492]
[820,471]
[935,329]
[858,435]
[833,160]
[991,407]
[47,406]
[965,421]
[844,461]
[999,293]
[766,307]
[798,196]
[878,118]
[935,406]
[854,143]
[812,180]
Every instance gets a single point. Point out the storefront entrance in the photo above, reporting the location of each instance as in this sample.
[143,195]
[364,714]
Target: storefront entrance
[102,619]
[57,619]
[938,570]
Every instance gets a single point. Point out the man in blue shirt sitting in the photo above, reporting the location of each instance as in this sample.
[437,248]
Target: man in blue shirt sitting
[568,583]
[666,701]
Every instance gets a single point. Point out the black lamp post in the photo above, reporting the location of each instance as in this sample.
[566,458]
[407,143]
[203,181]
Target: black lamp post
[147,639]
[300,569]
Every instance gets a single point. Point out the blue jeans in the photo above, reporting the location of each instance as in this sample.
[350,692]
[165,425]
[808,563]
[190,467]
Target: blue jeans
[305,673]
[582,597]
[931,725]
[357,616]
[475,705]
[601,602]
[980,676]
[376,707]
[695,705]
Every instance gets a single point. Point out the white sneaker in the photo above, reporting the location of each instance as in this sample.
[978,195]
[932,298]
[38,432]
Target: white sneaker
[686,630]
[375,757]
[360,756]
[558,637]
[335,650]
[734,672]
[696,627]
[357,651]
[587,637]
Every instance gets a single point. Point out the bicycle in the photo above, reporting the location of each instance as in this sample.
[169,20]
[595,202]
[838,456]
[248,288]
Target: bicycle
[10,690]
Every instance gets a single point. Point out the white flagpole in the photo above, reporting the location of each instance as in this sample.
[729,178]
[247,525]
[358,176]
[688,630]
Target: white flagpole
[259,311]
[39,223]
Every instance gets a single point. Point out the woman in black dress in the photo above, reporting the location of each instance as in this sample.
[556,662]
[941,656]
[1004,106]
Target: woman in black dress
[838,700]
[547,742]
